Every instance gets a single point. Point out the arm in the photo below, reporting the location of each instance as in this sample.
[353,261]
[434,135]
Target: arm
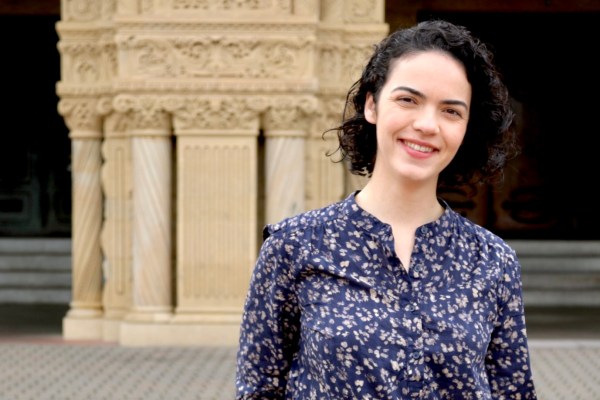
[269,329]
[507,361]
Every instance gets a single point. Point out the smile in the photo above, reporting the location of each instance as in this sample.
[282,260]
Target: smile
[418,147]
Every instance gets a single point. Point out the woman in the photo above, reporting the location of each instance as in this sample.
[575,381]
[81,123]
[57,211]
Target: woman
[390,294]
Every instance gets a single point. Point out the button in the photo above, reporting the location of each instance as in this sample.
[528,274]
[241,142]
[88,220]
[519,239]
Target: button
[418,268]
[424,230]
[416,355]
[411,307]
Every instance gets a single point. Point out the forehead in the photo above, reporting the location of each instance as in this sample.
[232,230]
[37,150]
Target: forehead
[431,73]
[427,65]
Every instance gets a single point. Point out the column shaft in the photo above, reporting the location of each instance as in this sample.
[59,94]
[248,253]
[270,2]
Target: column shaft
[152,242]
[87,222]
[116,234]
[284,175]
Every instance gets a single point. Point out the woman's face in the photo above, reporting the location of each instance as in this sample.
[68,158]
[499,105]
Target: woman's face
[421,117]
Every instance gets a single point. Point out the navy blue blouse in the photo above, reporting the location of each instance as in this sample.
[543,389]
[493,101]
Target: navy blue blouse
[332,314]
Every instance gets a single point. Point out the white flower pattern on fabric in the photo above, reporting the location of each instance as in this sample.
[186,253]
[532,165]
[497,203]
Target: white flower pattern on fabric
[331,314]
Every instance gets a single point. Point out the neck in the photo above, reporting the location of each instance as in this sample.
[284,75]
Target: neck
[407,204]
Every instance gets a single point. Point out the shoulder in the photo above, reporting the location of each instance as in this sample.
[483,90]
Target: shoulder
[483,240]
[301,224]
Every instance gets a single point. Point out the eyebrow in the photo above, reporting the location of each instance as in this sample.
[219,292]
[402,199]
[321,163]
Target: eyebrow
[422,95]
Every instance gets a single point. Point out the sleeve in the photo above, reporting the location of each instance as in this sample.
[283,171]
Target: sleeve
[269,328]
[507,360]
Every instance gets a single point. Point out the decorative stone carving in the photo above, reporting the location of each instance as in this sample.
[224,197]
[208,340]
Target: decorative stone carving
[289,113]
[364,11]
[345,12]
[229,5]
[146,112]
[81,62]
[216,56]
[81,117]
[87,10]
[212,113]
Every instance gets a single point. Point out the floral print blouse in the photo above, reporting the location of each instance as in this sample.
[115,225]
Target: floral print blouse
[332,314]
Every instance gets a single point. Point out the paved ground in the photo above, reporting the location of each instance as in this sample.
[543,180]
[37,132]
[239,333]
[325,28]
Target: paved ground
[36,364]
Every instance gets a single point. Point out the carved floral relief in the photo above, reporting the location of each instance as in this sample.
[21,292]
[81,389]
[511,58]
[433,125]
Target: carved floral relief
[87,10]
[210,113]
[205,5]
[217,57]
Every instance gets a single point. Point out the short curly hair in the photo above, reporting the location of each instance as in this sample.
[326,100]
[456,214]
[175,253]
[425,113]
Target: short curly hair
[490,138]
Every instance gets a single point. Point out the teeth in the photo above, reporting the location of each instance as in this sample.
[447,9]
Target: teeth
[423,149]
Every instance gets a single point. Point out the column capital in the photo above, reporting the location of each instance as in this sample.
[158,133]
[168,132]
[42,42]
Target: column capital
[206,114]
[289,113]
[147,114]
[81,117]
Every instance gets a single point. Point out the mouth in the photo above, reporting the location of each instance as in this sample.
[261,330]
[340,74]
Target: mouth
[418,147]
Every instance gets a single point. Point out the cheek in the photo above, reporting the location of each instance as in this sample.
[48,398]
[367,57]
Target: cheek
[457,139]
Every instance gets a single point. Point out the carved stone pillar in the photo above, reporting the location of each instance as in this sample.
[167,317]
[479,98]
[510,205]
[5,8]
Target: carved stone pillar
[285,128]
[346,35]
[151,153]
[216,214]
[324,176]
[116,238]
[88,64]
[84,317]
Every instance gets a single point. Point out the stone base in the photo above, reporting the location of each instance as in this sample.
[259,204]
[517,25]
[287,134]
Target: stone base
[178,334]
[82,328]
[111,329]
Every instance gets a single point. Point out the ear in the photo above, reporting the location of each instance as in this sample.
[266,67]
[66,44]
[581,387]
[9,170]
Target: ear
[370,109]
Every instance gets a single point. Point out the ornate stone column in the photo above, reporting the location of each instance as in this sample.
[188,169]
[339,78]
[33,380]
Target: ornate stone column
[285,128]
[152,161]
[324,173]
[88,65]
[116,237]
[216,214]
[346,34]
[84,317]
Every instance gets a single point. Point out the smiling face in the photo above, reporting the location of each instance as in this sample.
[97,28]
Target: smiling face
[421,117]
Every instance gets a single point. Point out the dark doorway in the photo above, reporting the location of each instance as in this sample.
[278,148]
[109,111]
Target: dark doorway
[35,181]
[548,62]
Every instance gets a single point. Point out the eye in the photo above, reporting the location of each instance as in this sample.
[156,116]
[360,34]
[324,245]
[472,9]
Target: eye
[454,112]
[406,100]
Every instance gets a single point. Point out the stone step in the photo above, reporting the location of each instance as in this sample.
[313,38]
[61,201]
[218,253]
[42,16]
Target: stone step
[35,270]
[560,273]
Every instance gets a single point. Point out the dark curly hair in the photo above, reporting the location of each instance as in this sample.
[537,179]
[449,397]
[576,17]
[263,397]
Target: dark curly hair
[490,139]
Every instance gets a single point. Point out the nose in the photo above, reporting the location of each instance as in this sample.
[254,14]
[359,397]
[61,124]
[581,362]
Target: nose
[426,121]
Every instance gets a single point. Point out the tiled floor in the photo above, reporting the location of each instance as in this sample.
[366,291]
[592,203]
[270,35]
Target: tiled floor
[36,364]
